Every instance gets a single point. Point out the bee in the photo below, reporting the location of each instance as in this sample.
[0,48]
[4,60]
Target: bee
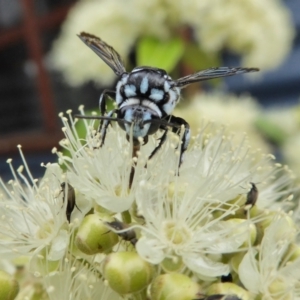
[146,97]
[70,198]
[128,235]
[219,297]
[251,196]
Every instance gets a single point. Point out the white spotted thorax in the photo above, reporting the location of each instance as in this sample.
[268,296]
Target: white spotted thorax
[148,83]
[144,94]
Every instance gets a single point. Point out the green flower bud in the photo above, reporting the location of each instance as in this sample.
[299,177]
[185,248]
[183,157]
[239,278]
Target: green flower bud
[174,286]
[127,272]
[173,264]
[228,288]
[94,236]
[9,287]
[292,253]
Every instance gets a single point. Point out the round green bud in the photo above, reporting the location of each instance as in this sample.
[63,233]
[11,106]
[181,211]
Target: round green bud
[228,288]
[174,264]
[9,287]
[94,236]
[174,286]
[127,272]
[292,253]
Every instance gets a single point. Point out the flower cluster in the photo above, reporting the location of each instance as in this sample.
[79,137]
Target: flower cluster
[246,28]
[114,226]
[238,113]
[285,123]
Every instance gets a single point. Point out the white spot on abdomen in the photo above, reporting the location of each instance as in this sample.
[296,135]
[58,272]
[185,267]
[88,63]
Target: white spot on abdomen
[156,94]
[144,85]
[130,90]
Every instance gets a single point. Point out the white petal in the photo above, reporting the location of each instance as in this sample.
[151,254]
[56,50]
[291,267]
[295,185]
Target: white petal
[116,204]
[148,249]
[58,246]
[276,239]
[205,266]
[291,270]
[83,206]
[248,272]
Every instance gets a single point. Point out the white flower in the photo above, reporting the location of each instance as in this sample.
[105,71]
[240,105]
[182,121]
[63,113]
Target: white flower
[185,215]
[242,27]
[239,26]
[32,216]
[277,189]
[101,174]
[275,182]
[238,114]
[115,23]
[75,280]
[266,271]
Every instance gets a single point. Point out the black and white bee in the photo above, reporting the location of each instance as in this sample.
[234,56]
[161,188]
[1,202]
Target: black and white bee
[146,97]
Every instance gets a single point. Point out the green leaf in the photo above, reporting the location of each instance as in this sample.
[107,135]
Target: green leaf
[197,59]
[271,131]
[162,54]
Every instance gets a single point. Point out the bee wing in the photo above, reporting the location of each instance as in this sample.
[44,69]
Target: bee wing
[210,74]
[107,53]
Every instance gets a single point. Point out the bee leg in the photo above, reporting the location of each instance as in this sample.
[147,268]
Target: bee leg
[186,135]
[161,141]
[104,125]
[102,101]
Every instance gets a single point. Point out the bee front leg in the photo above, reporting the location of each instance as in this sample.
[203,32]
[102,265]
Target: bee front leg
[178,122]
[104,125]
[102,101]
[161,141]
